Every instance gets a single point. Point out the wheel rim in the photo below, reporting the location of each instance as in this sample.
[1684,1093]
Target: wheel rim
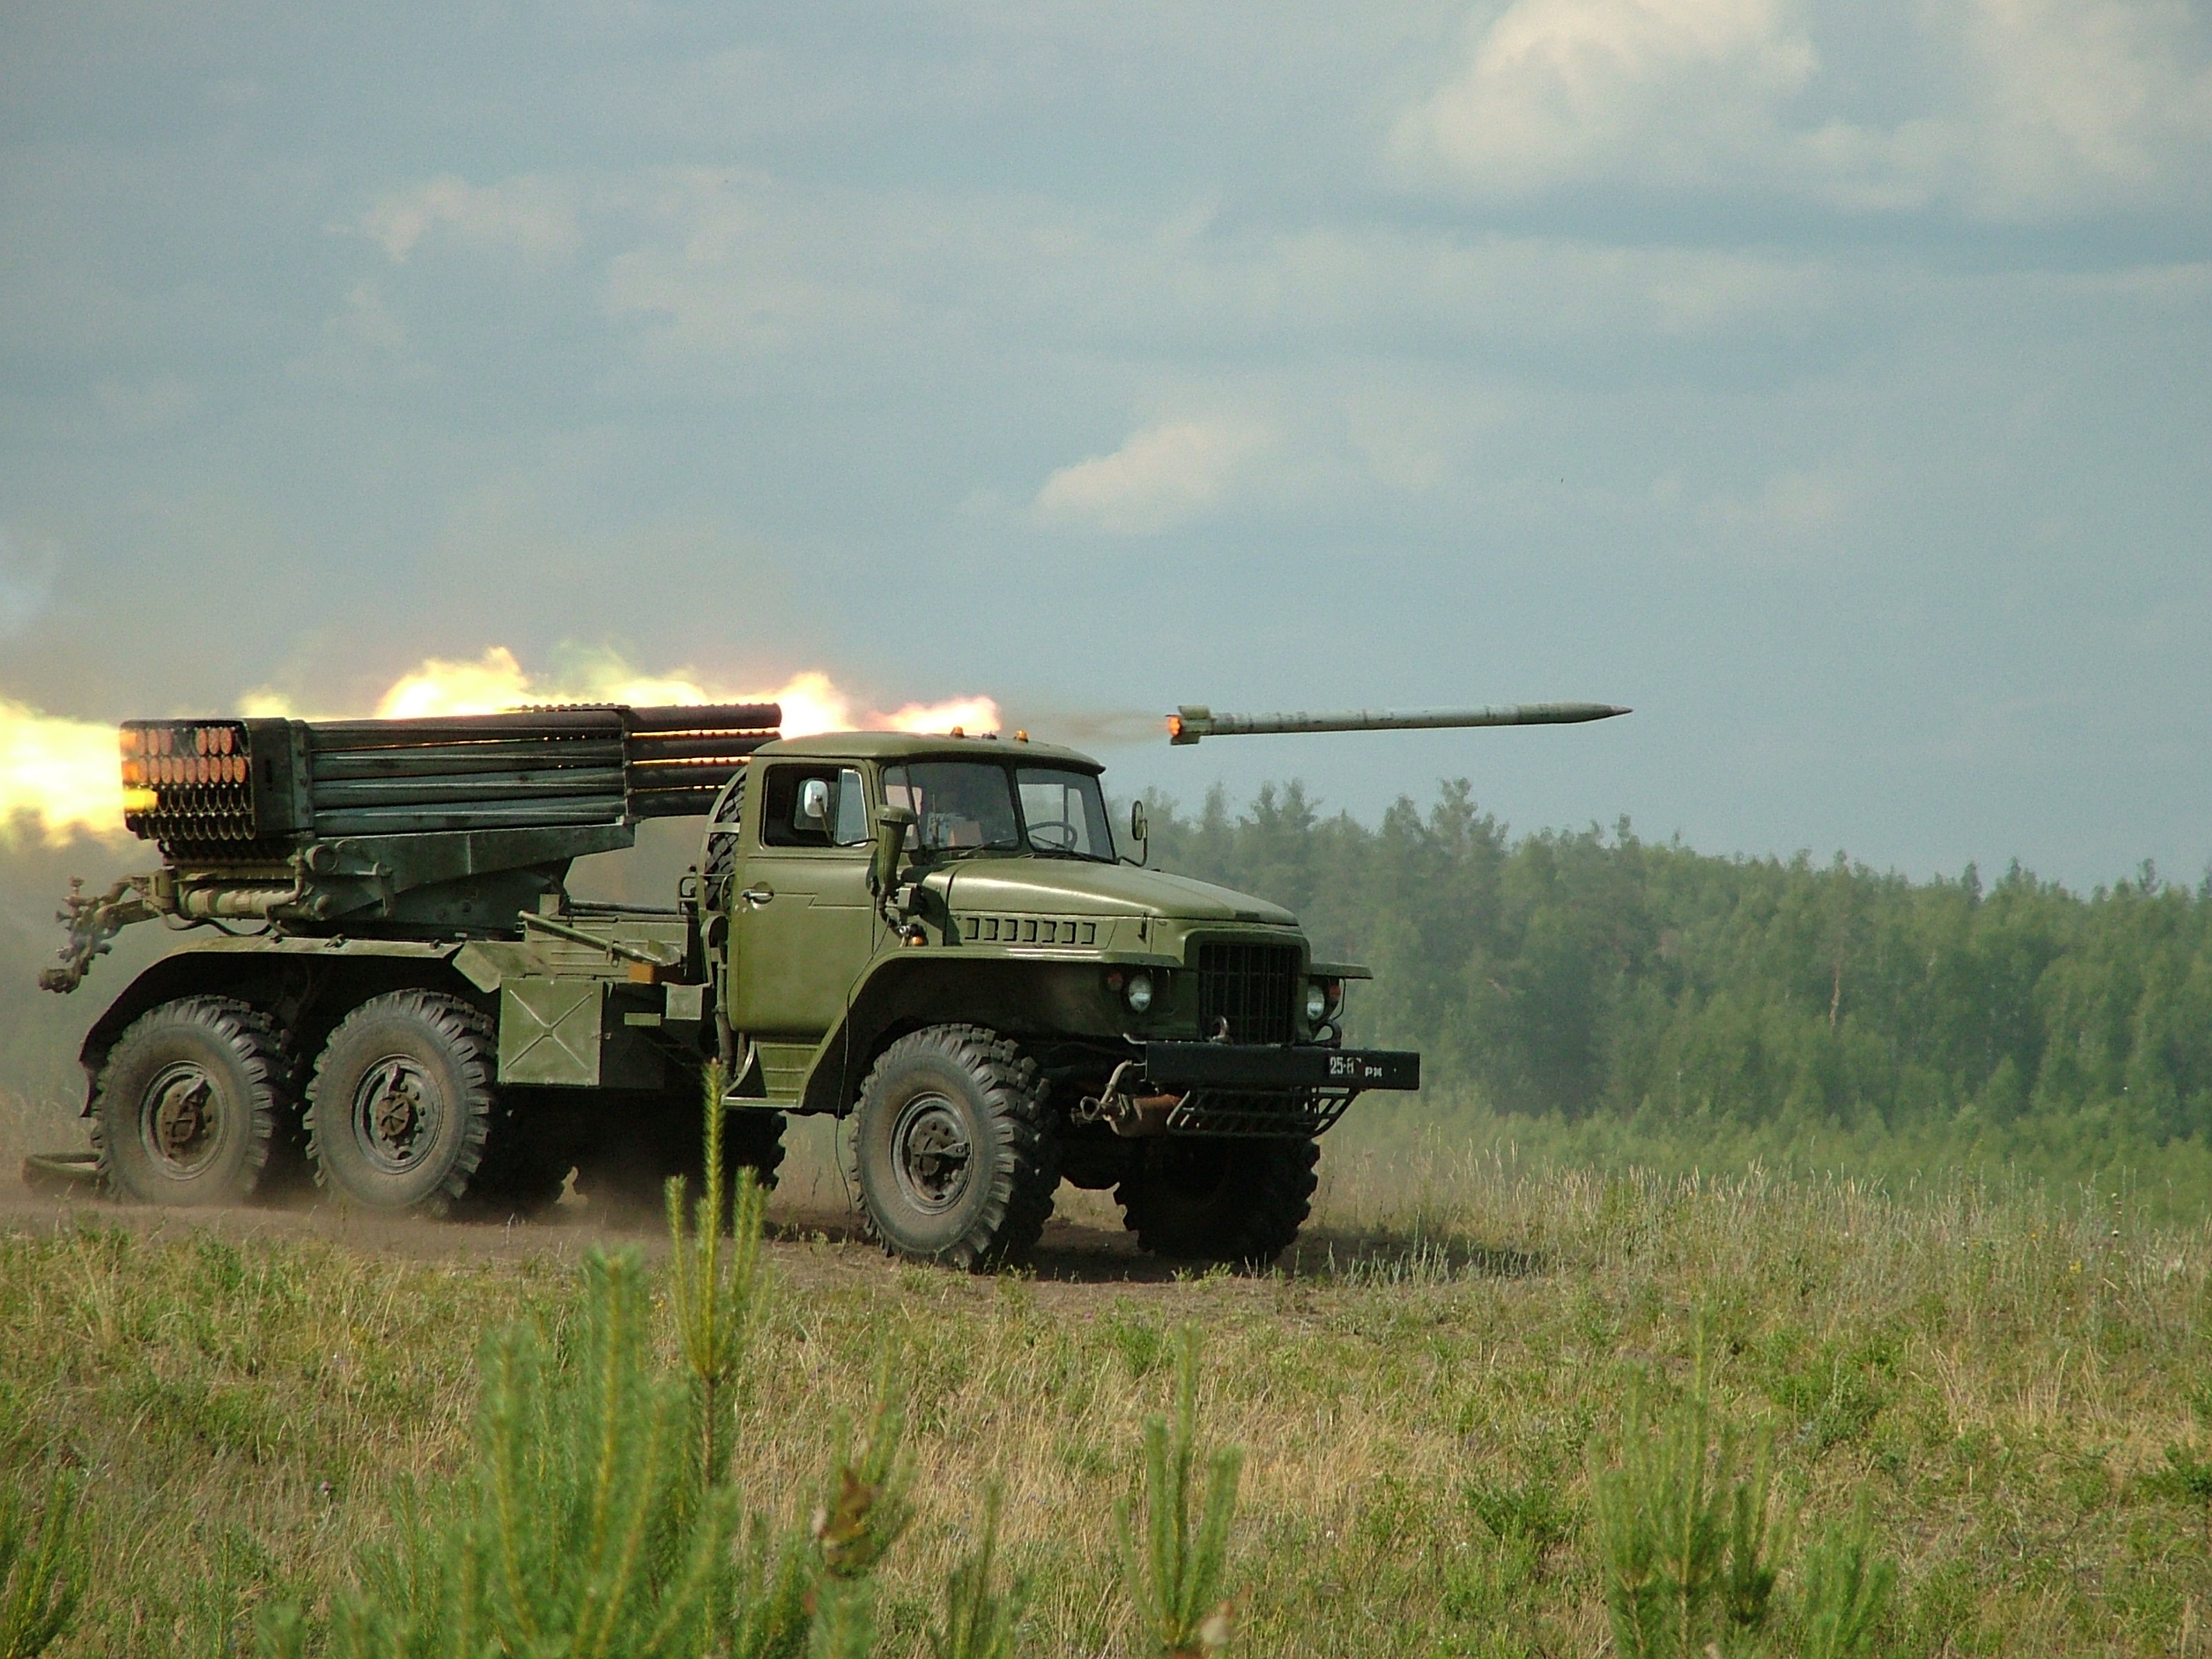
[396,1114]
[181,1123]
[931,1154]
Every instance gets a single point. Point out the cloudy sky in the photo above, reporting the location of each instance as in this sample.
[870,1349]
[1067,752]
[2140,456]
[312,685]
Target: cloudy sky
[1832,380]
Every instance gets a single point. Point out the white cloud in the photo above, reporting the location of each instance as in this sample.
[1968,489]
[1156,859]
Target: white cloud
[365,341]
[1163,476]
[2034,109]
[534,215]
[2075,99]
[699,266]
[1563,91]
[727,263]
[736,263]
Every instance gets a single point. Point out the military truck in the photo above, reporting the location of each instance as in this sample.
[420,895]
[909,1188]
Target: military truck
[937,939]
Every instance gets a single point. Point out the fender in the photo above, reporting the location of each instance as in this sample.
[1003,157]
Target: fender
[903,990]
[310,980]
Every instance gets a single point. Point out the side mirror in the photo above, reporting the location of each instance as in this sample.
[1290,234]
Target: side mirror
[891,825]
[814,801]
[1140,830]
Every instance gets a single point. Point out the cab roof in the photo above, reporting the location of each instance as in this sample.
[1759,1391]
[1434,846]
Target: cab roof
[887,746]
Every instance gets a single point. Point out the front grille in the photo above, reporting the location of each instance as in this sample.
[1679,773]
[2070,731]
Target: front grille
[1253,986]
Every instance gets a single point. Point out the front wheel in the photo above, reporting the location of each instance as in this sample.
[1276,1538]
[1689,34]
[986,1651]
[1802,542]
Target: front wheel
[189,1102]
[402,1102]
[1238,1201]
[955,1154]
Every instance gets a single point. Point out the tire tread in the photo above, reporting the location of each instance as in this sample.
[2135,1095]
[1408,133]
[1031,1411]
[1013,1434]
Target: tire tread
[475,1039]
[265,1053]
[1276,1191]
[1007,1227]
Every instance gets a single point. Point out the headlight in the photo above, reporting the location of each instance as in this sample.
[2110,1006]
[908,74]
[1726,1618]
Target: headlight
[1324,999]
[1139,994]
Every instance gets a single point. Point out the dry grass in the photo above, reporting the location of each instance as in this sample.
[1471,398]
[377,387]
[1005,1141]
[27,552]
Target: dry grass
[1422,1392]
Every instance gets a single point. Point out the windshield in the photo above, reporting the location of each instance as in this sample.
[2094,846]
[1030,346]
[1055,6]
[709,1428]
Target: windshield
[963,805]
[1063,812]
[956,804]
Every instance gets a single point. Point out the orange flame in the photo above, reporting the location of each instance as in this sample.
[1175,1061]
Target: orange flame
[810,701]
[60,776]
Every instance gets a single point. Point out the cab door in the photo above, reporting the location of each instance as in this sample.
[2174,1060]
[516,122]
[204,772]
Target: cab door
[802,923]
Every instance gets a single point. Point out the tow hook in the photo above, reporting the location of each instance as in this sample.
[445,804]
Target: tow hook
[1130,1116]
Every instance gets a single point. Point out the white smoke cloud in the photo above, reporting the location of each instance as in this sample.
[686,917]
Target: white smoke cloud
[1161,476]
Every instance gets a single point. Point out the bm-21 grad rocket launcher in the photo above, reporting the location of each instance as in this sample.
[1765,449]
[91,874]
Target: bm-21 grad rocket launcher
[457,820]
[937,938]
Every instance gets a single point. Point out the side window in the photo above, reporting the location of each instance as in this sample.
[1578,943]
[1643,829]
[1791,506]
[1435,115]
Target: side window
[813,807]
[852,822]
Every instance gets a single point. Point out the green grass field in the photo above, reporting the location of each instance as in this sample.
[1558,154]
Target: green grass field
[1424,1393]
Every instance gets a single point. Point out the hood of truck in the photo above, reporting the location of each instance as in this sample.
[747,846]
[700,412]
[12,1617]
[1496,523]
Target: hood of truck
[1062,887]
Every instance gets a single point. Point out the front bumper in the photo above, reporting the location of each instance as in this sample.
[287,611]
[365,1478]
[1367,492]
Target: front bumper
[1255,1088]
[1170,1065]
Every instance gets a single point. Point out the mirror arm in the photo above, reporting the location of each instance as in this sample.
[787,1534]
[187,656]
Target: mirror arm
[891,825]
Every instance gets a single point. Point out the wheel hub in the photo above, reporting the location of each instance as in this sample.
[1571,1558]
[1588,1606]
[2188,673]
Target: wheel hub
[179,1121]
[931,1154]
[395,1114]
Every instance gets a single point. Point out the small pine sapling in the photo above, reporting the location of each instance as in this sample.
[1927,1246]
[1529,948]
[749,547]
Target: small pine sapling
[1176,1566]
[578,1531]
[1688,1549]
[713,1301]
[980,1623]
[1758,1534]
[421,1594]
[581,1529]
[42,1564]
[770,1598]
[594,1541]
[1846,1589]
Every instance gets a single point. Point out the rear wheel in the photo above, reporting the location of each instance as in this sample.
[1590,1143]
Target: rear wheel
[189,1102]
[402,1102]
[955,1154]
[1238,1201]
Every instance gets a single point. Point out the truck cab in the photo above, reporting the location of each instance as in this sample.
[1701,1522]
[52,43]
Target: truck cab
[942,940]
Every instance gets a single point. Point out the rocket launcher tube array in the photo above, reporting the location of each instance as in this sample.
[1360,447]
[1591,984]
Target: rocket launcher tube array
[211,784]
[1194,721]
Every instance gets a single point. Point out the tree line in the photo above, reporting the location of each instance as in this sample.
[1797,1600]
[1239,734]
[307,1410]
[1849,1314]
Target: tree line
[1592,973]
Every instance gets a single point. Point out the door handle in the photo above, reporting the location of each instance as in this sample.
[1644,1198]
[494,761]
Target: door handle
[757,897]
